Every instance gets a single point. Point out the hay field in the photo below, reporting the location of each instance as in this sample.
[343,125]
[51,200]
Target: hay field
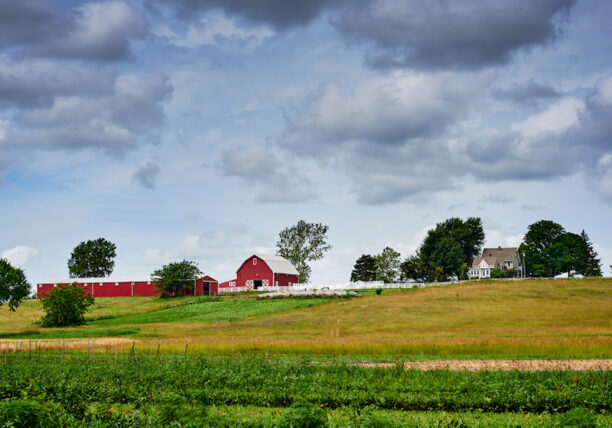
[569,318]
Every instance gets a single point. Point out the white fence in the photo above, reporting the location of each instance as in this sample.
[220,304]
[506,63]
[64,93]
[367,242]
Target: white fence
[360,285]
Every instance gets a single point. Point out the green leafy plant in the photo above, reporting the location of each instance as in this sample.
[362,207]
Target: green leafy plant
[303,414]
[13,285]
[65,305]
[176,277]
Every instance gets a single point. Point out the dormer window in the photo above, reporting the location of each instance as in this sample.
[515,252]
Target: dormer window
[254,261]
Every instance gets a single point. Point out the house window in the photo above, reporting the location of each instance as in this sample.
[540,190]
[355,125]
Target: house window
[254,261]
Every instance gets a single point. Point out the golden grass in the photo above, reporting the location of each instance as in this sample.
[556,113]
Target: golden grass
[536,318]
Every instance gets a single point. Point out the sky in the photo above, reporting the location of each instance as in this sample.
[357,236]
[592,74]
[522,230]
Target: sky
[198,130]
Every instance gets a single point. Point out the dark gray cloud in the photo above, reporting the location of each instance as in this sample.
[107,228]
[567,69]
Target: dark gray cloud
[428,148]
[146,175]
[278,14]
[389,110]
[527,92]
[256,164]
[36,83]
[385,135]
[25,22]
[447,34]
[131,114]
[91,31]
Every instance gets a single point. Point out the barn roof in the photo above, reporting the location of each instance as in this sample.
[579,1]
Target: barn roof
[103,279]
[278,264]
[108,279]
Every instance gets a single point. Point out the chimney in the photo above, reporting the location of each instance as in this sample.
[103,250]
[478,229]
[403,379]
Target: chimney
[498,248]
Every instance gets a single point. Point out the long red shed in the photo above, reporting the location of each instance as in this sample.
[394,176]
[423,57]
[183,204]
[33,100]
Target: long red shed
[126,287]
[264,270]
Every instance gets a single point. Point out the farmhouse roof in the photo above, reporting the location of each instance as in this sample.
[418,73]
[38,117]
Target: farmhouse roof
[278,264]
[509,253]
[490,261]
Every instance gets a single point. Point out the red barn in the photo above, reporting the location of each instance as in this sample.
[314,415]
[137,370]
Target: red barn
[264,270]
[126,287]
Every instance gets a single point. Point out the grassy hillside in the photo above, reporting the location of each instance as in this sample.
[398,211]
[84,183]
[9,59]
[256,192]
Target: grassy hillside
[504,319]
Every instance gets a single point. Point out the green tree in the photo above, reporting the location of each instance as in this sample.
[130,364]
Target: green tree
[92,259]
[176,277]
[13,285]
[388,265]
[65,305]
[546,249]
[587,262]
[411,268]
[302,243]
[364,269]
[450,244]
[444,259]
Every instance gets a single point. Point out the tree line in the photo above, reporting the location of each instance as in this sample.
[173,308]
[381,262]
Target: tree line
[448,251]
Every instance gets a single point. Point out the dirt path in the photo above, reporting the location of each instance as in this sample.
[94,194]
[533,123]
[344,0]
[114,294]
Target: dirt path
[527,365]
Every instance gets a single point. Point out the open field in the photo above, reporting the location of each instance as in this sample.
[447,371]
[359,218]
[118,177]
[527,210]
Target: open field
[503,319]
[463,355]
[255,391]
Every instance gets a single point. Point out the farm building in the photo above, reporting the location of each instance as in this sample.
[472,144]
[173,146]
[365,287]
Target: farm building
[502,258]
[127,287]
[263,270]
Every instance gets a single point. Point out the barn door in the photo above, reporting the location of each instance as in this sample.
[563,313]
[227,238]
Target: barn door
[206,289]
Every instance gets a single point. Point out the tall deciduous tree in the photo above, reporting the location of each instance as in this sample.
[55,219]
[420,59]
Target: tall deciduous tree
[387,265]
[302,243]
[364,269]
[546,249]
[449,245]
[92,259]
[13,285]
[411,268]
[176,277]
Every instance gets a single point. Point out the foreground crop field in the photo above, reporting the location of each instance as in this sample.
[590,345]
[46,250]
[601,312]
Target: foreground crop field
[76,390]
[504,319]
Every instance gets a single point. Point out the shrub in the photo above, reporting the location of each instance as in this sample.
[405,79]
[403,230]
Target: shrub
[497,273]
[379,291]
[65,305]
[578,417]
[303,414]
[28,413]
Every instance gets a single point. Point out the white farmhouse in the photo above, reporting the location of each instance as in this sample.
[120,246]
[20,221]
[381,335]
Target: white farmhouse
[503,258]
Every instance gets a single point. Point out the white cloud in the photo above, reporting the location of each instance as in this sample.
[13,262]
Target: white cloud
[557,118]
[19,255]
[215,29]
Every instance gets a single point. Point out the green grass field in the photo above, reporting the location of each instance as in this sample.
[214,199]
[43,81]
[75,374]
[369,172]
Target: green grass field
[75,390]
[503,319]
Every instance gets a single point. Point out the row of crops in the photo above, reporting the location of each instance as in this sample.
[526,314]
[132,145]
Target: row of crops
[202,391]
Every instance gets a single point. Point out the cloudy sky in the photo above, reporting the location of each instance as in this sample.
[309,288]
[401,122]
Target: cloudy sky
[199,129]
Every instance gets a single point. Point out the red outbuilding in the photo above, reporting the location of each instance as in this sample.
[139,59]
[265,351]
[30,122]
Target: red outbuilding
[264,270]
[127,287]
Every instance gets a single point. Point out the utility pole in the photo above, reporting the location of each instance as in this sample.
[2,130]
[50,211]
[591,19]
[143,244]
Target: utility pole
[524,267]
